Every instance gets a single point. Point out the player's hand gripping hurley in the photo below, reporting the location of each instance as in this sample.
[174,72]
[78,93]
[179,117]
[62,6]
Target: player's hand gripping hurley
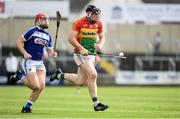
[57,28]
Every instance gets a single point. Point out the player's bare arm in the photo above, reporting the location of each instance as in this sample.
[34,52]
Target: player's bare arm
[52,53]
[72,39]
[83,37]
[101,42]
[20,46]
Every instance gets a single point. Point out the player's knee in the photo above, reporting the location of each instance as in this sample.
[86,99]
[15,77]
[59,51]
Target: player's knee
[38,87]
[35,87]
[93,76]
[41,87]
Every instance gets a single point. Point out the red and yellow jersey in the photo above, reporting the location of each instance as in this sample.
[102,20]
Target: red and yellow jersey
[87,33]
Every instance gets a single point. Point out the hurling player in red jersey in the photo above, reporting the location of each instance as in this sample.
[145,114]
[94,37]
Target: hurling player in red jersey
[83,37]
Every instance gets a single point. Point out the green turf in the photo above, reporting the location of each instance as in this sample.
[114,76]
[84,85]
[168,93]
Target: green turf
[63,102]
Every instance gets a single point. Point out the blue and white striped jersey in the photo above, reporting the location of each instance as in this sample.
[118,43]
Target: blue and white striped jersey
[35,40]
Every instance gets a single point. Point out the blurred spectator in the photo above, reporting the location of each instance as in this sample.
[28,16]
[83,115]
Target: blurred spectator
[11,64]
[157,43]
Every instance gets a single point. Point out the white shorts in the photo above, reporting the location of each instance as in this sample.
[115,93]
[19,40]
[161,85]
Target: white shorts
[32,65]
[79,59]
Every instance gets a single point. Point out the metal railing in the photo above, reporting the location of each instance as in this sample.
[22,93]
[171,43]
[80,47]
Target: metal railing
[156,63]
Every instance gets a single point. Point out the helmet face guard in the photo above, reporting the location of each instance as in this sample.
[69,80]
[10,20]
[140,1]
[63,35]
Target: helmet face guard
[96,11]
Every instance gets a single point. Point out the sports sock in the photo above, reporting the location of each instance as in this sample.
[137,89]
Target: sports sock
[20,75]
[95,101]
[28,104]
[23,77]
[61,76]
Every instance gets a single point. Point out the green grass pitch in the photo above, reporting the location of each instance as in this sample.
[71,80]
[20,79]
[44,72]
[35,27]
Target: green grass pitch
[63,103]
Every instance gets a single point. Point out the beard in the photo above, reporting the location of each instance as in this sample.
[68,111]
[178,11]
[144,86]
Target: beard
[43,26]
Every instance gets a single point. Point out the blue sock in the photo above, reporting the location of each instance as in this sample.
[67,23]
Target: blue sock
[20,75]
[28,104]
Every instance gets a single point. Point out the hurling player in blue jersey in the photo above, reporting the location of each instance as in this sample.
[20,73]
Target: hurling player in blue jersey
[31,45]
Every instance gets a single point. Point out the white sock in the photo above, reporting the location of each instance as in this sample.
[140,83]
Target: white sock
[95,103]
[30,101]
[22,78]
[59,76]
